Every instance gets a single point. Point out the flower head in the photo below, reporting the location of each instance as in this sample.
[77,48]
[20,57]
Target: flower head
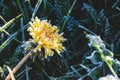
[46,36]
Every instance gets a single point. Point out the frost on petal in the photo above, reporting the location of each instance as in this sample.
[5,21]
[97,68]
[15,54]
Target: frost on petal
[46,36]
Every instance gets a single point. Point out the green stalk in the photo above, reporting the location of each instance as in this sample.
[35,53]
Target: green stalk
[104,59]
[69,11]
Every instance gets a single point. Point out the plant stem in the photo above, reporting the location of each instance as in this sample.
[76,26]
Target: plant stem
[69,11]
[105,60]
[18,66]
[110,67]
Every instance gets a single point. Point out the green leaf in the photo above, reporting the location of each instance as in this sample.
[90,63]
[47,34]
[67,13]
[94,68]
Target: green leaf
[5,43]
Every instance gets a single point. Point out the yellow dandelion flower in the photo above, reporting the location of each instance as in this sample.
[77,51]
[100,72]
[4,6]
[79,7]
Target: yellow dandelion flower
[46,36]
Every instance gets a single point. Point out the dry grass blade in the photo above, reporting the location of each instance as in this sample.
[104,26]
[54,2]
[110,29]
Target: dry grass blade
[11,73]
[9,23]
[18,66]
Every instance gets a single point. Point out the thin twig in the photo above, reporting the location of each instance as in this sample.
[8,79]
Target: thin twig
[19,65]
